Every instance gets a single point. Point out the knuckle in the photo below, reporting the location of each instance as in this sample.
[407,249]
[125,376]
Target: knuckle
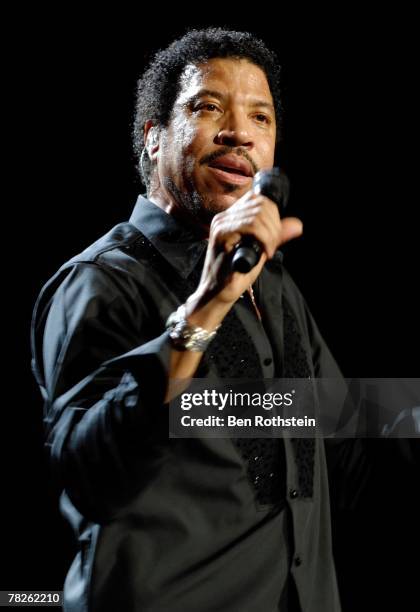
[217,232]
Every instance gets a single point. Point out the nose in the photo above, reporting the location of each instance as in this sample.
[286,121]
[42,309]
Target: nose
[234,132]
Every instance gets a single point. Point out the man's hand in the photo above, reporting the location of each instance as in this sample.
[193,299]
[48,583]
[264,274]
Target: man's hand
[254,215]
[219,287]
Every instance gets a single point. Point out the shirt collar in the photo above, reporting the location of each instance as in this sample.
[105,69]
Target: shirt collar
[178,244]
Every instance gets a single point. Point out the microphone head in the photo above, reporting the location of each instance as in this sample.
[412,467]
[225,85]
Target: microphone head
[273,184]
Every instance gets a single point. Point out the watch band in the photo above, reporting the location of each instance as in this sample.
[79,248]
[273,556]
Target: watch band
[185,336]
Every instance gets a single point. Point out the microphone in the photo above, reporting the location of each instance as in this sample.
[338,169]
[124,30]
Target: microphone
[273,184]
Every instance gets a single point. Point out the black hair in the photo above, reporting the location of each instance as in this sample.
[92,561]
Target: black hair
[158,87]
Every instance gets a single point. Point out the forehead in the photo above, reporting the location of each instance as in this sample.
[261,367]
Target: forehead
[230,76]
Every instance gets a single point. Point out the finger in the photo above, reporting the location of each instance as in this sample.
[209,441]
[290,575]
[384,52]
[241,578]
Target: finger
[272,225]
[253,274]
[256,228]
[249,199]
[291,227]
[231,241]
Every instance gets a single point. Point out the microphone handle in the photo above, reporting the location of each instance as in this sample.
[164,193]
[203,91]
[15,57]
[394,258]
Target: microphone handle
[247,254]
[275,185]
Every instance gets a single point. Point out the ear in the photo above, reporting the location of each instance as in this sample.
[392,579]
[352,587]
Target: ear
[151,139]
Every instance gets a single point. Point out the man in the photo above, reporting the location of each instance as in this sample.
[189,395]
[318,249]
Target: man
[197,524]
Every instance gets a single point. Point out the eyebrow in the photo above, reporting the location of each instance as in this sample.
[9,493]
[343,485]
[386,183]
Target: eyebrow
[213,93]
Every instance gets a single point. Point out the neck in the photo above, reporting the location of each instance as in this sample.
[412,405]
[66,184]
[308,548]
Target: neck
[179,212]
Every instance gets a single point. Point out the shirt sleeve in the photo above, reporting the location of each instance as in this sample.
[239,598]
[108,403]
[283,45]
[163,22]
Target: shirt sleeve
[105,361]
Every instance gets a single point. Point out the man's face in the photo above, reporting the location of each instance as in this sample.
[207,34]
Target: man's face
[221,132]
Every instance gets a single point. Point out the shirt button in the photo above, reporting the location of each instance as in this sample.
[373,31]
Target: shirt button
[298,561]
[293,493]
[268,361]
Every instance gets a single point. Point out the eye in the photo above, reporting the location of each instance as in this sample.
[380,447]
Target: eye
[262,118]
[207,106]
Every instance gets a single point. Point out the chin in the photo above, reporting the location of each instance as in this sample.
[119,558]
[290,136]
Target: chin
[212,205]
[221,201]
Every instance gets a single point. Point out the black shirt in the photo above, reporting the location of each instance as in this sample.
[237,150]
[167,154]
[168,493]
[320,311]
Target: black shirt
[166,524]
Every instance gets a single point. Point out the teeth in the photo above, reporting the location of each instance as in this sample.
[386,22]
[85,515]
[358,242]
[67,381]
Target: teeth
[232,170]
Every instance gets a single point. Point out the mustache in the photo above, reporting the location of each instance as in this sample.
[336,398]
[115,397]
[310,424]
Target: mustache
[210,157]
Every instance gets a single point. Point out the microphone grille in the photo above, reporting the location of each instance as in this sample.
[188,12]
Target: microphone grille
[273,184]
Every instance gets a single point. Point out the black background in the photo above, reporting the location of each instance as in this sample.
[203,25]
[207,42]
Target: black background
[349,149]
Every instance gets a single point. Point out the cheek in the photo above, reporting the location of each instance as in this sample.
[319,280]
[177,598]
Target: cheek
[188,146]
[182,137]
[179,153]
[267,152]
[269,143]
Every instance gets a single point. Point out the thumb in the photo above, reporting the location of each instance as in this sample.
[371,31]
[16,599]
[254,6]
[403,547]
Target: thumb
[291,227]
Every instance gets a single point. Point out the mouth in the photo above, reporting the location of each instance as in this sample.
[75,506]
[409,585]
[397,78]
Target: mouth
[232,169]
